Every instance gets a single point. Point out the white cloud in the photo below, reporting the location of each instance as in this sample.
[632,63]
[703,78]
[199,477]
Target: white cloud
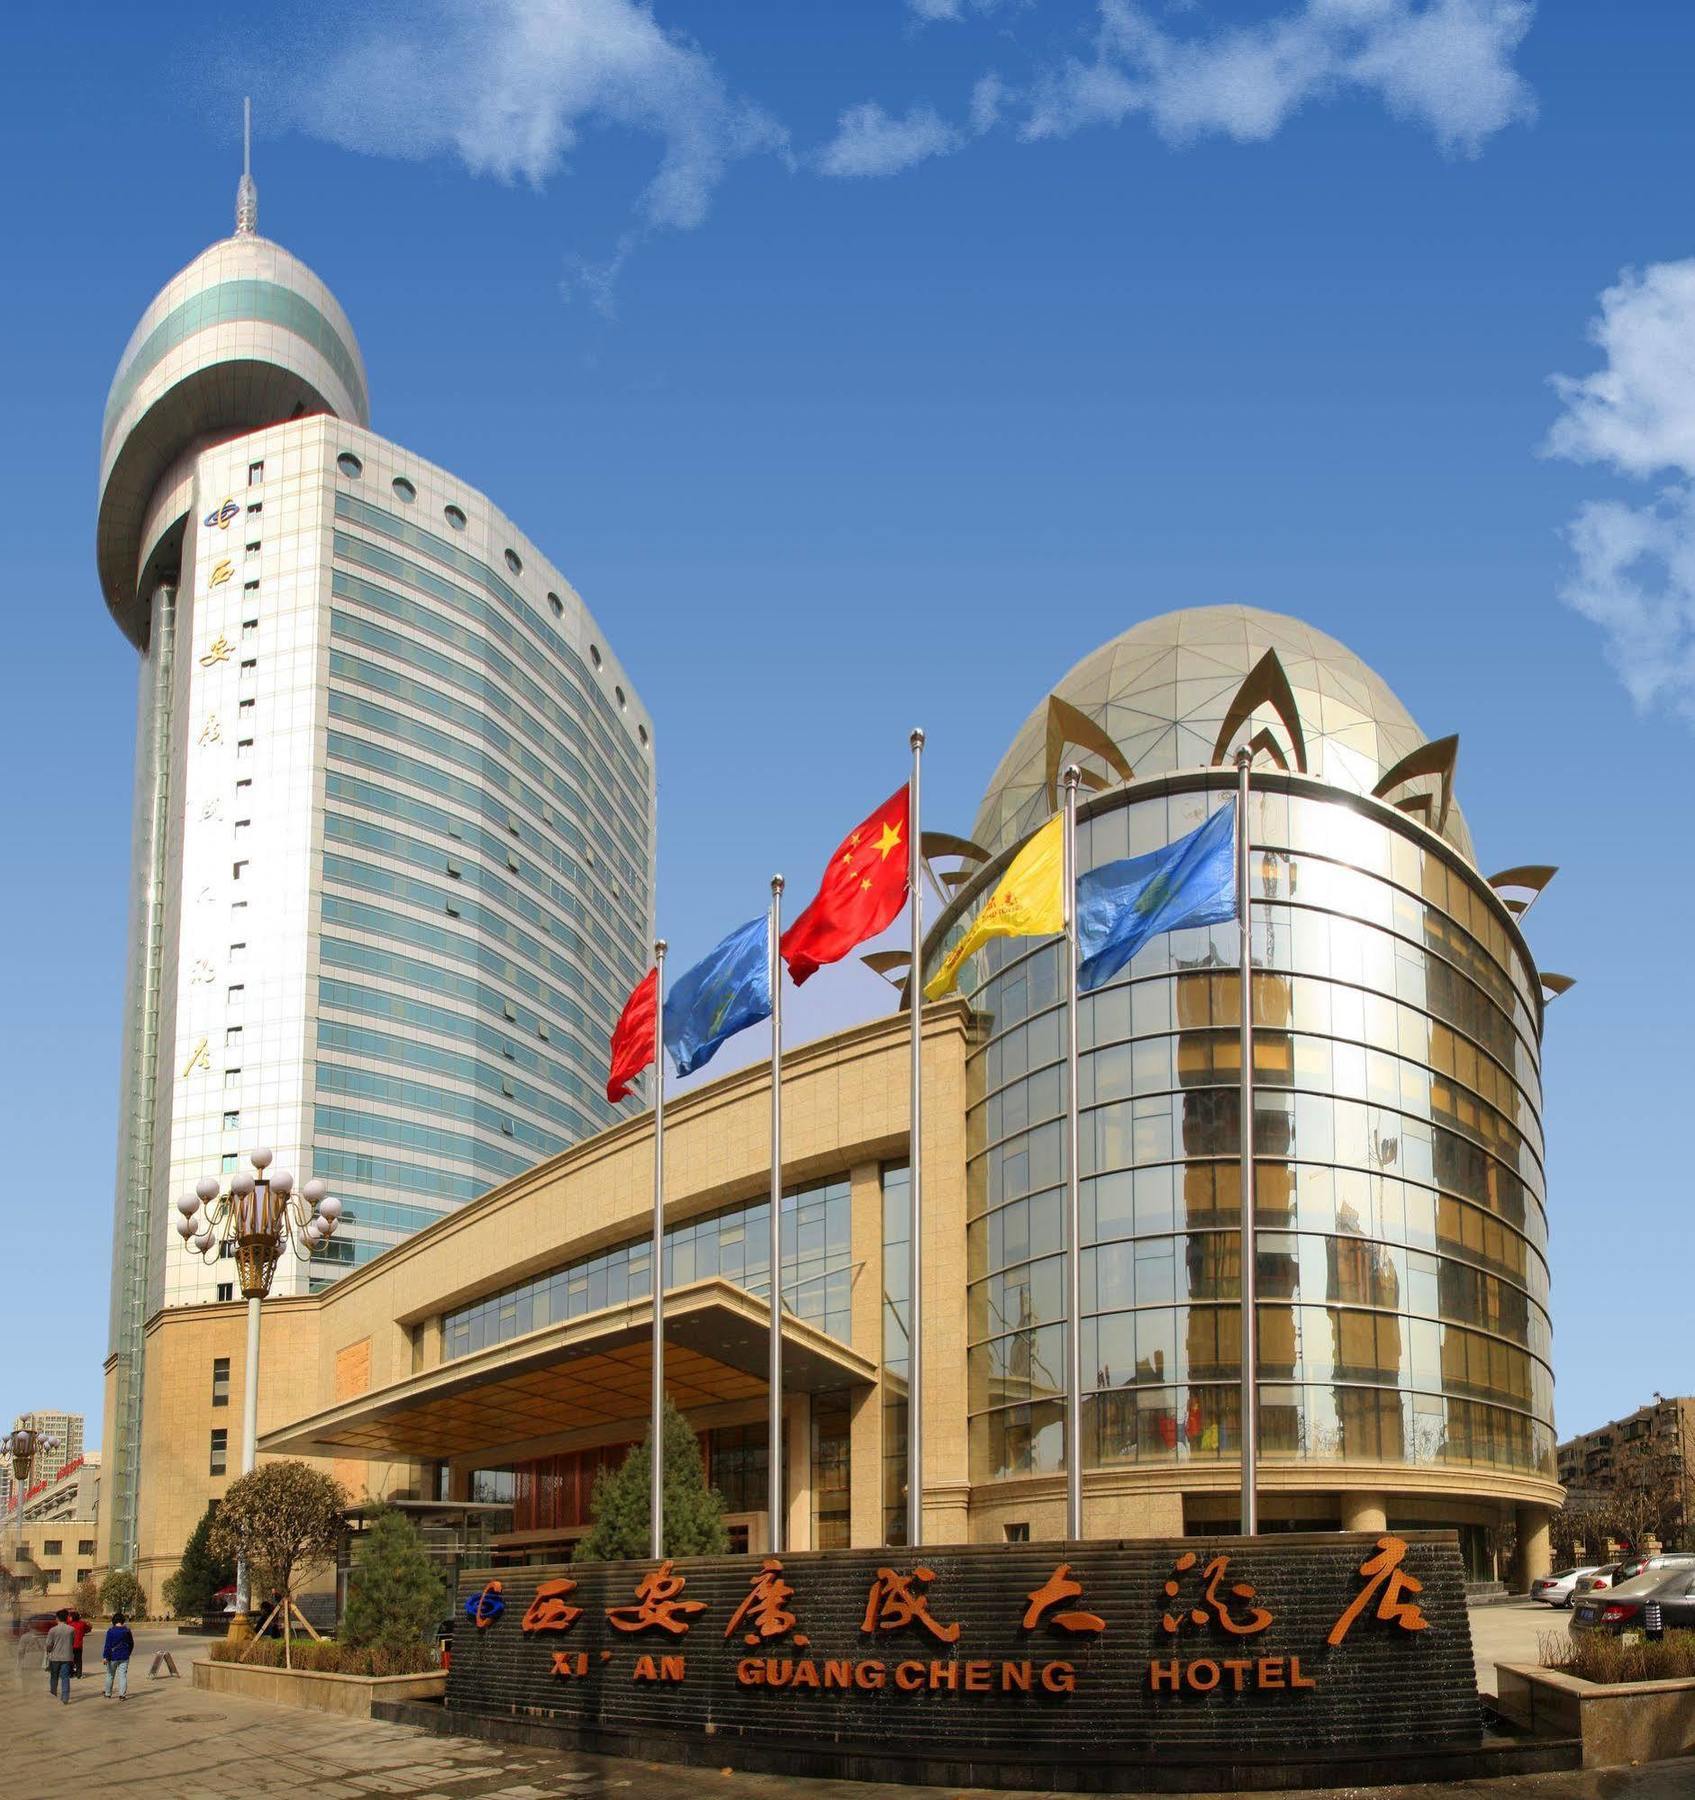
[511,85]
[1637,413]
[1445,64]
[1635,565]
[987,99]
[869,141]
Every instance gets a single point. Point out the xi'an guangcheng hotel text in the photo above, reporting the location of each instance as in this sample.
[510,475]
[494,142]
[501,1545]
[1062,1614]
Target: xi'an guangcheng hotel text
[393,889]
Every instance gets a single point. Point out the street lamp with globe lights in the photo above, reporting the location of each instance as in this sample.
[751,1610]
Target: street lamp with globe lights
[256,1221]
[22,1446]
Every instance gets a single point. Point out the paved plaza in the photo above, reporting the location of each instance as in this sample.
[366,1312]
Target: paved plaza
[171,1742]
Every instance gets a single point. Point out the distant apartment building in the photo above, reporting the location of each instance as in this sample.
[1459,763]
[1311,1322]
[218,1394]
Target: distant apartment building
[1666,1426]
[66,1429]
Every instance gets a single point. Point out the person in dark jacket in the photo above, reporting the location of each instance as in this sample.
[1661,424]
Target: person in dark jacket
[118,1648]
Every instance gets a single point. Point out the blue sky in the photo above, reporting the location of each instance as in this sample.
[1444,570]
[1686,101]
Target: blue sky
[866,365]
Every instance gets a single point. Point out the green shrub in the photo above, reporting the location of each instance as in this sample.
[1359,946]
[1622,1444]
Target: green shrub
[121,1592]
[621,1497]
[1599,1656]
[395,1594]
[192,1591]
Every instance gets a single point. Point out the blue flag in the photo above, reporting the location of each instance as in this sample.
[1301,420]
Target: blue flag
[1121,906]
[728,990]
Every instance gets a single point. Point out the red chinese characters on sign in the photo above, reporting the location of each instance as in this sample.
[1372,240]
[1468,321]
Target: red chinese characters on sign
[1258,1617]
[550,1611]
[1060,1586]
[657,1604]
[896,1600]
[765,1611]
[1384,1572]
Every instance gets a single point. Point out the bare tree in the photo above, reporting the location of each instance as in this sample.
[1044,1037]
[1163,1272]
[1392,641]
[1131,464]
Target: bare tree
[283,1520]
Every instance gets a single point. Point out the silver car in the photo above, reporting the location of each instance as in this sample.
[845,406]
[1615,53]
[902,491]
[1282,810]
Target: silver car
[1557,1589]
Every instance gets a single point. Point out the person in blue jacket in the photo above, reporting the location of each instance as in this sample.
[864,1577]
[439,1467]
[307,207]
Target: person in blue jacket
[115,1653]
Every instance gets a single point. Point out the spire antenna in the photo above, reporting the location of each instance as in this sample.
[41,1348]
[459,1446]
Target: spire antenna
[247,192]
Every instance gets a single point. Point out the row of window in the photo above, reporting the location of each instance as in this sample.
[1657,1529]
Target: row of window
[451,556]
[733,1244]
[382,759]
[470,661]
[603,925]
[1158,1129]
[1206,1265]
[491,928]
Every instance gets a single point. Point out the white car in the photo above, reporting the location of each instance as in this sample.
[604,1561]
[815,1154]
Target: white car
[1558,1588]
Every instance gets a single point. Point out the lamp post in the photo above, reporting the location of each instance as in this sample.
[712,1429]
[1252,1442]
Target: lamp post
[22,1446]
[261,1216]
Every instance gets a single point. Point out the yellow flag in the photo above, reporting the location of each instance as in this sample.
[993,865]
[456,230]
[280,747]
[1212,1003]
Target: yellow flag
[1029,902]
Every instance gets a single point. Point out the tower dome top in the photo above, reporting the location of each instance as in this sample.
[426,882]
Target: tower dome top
[1159,697]
[245,336]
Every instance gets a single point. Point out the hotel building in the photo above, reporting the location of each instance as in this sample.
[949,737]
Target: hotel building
[492,1362]
[394,811]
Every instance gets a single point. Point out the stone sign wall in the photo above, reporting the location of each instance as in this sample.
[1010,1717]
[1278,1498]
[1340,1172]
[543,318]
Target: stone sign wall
[1025,1659]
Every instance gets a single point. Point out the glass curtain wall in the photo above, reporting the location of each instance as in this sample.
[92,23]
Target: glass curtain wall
[1398,1172]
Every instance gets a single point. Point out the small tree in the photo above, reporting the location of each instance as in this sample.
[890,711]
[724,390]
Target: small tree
[121,1592]
[283,1519]
[619,1502]
[193,1590]
[88,1597]
[395,1593]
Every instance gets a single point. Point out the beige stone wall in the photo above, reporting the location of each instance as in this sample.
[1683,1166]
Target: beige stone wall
[845,1113]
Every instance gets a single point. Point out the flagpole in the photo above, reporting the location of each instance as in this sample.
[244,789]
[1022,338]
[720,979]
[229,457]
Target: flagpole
[774,1452]
[915,1159]
[1249,1430]
[656,1509]
[1073,1186]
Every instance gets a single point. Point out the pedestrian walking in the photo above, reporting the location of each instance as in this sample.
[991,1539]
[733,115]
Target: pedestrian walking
[80,1629]
[59,1652]
[118,1648]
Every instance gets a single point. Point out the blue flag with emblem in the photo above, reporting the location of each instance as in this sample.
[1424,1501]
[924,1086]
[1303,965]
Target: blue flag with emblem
[1121,906]
[728,990]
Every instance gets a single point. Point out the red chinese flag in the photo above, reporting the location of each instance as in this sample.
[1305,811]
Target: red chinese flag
[862,890]
[632,1041]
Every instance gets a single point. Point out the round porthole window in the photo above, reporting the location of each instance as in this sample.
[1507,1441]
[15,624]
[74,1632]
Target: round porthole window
[594,654]
[454,517]
[641,732]
[619,692]
[404,490]
[513,562]
[557,604]
[350,465]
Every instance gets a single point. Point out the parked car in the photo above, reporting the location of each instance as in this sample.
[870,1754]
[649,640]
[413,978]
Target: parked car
[1632,1566]
[33,1625]
[1557,1589]
[1598,1578]
[1624,1607]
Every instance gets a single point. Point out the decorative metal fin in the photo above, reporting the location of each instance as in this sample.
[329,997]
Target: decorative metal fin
[1554,985]
[1531,876]
[1068,728]
[884,963]
[1263,740]
[1437,758]
[1265,685]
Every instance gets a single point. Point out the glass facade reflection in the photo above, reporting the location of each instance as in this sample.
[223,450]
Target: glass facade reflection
[1400,1197]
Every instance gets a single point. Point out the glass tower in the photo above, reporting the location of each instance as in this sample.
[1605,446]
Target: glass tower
[1400,1196]
[394,804]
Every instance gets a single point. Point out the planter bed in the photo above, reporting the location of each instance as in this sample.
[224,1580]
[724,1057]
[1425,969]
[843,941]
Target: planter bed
[350,1695]
[1618,1722]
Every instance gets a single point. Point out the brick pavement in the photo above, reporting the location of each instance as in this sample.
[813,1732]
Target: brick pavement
[171,1742]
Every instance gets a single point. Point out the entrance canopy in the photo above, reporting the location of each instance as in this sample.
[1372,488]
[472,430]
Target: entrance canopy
[587,1372]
